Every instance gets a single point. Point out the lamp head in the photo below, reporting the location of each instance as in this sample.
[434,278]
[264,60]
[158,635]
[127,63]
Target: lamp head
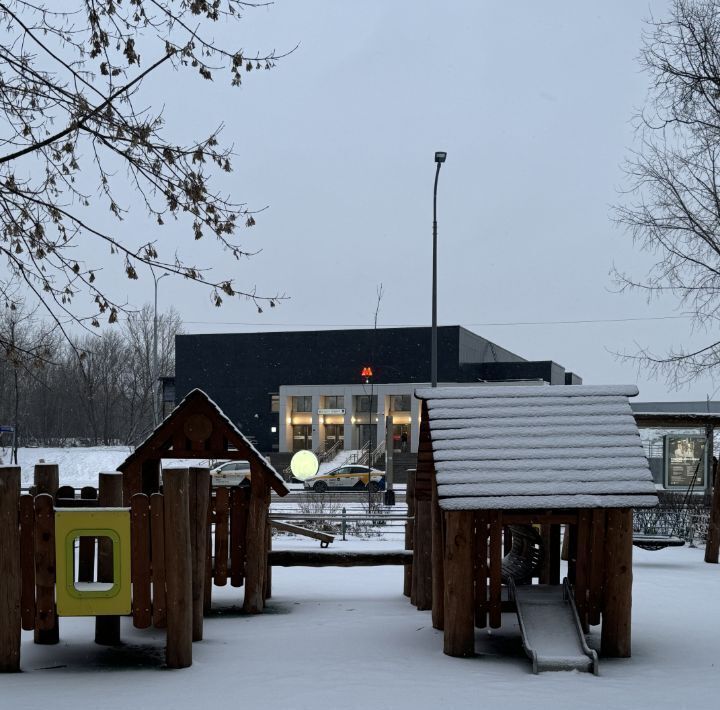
[440,156]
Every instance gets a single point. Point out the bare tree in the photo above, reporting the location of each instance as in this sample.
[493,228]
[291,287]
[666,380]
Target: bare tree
[672,205]
[78,132]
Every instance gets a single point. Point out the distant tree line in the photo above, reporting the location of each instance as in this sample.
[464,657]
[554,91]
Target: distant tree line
[60,390]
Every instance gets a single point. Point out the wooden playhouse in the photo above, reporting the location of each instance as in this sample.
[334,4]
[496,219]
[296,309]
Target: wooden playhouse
[500,471]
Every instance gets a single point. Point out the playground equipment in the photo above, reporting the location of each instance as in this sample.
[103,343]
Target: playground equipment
[131,549]
[95,561]
[494,461]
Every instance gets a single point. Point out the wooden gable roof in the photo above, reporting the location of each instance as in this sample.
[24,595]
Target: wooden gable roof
[198,429]
[515,447]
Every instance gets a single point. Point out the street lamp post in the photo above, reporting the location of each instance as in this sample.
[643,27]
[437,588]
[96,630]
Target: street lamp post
[155,373]
[440,157]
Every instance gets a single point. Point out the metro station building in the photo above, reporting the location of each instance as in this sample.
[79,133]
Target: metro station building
[304,389]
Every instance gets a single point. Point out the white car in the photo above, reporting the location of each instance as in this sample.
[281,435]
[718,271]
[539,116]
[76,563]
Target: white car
[350,476]
[231,473]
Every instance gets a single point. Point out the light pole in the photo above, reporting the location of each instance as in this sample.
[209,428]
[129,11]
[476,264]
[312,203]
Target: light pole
[155,373]
[439,160]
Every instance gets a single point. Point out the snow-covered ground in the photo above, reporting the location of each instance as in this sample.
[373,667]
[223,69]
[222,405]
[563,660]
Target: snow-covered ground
[79,466]
[347,638]
[336,638]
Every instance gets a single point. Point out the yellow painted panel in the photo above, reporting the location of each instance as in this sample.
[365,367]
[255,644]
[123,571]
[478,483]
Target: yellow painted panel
[95,599]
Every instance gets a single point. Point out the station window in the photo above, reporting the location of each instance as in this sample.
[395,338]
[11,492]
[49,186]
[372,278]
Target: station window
[400,403]
[334,401]
[302,404]
[363,403]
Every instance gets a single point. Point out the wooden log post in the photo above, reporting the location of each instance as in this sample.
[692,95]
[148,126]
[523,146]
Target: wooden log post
[582,566]
[459,631]
[409,527]
[140,565]
[712,546]
[157,541]
[110,495]
[438,553]
[199,500]
[422,557]
[47,630]
[222,513]
[46,478]
[496,555]
[178,567]
[239,502]
[256,554]
[617,609]
[554,553]
[27,561]
[10,570]
[597,567]
[481,568]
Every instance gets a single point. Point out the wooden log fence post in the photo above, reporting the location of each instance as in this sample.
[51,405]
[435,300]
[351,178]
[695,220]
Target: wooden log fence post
[422,557]
[178,567]
[47,630]
[110,495]
[712,546]
[615,639]
[496,555]
[157,542]
[481,568]
[438,553]
[199,500]
[10,570]
[140,565]
[256,554]
[27,561]
[459,631]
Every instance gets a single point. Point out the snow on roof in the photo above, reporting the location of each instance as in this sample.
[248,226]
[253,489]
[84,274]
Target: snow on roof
[565,446]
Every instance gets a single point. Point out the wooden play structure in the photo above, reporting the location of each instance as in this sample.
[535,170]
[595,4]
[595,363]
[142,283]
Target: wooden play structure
[130,548]
[500,471]
[93,559]
[198,429]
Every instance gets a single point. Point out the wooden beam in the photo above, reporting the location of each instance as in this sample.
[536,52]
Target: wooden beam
[617,611]
[481,568]
[532,518]
[256,552]
[10,570]
[597,566]
[178,568]
[110,494]
[140,565]
[337,558]
[157,538]
[199,500]
[495,608]
[422,557]
[459,632]
[46,622]
[438,582]
[712,546]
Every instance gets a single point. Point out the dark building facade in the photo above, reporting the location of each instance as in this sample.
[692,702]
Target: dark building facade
[244,374]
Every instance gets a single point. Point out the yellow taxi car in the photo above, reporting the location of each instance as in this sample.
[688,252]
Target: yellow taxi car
[348,477]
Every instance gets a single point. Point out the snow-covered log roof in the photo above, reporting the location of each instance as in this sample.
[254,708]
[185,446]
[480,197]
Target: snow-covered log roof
[571,446]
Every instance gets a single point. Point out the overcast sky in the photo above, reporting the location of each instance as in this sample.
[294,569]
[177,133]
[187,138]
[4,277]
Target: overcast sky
[533,103]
